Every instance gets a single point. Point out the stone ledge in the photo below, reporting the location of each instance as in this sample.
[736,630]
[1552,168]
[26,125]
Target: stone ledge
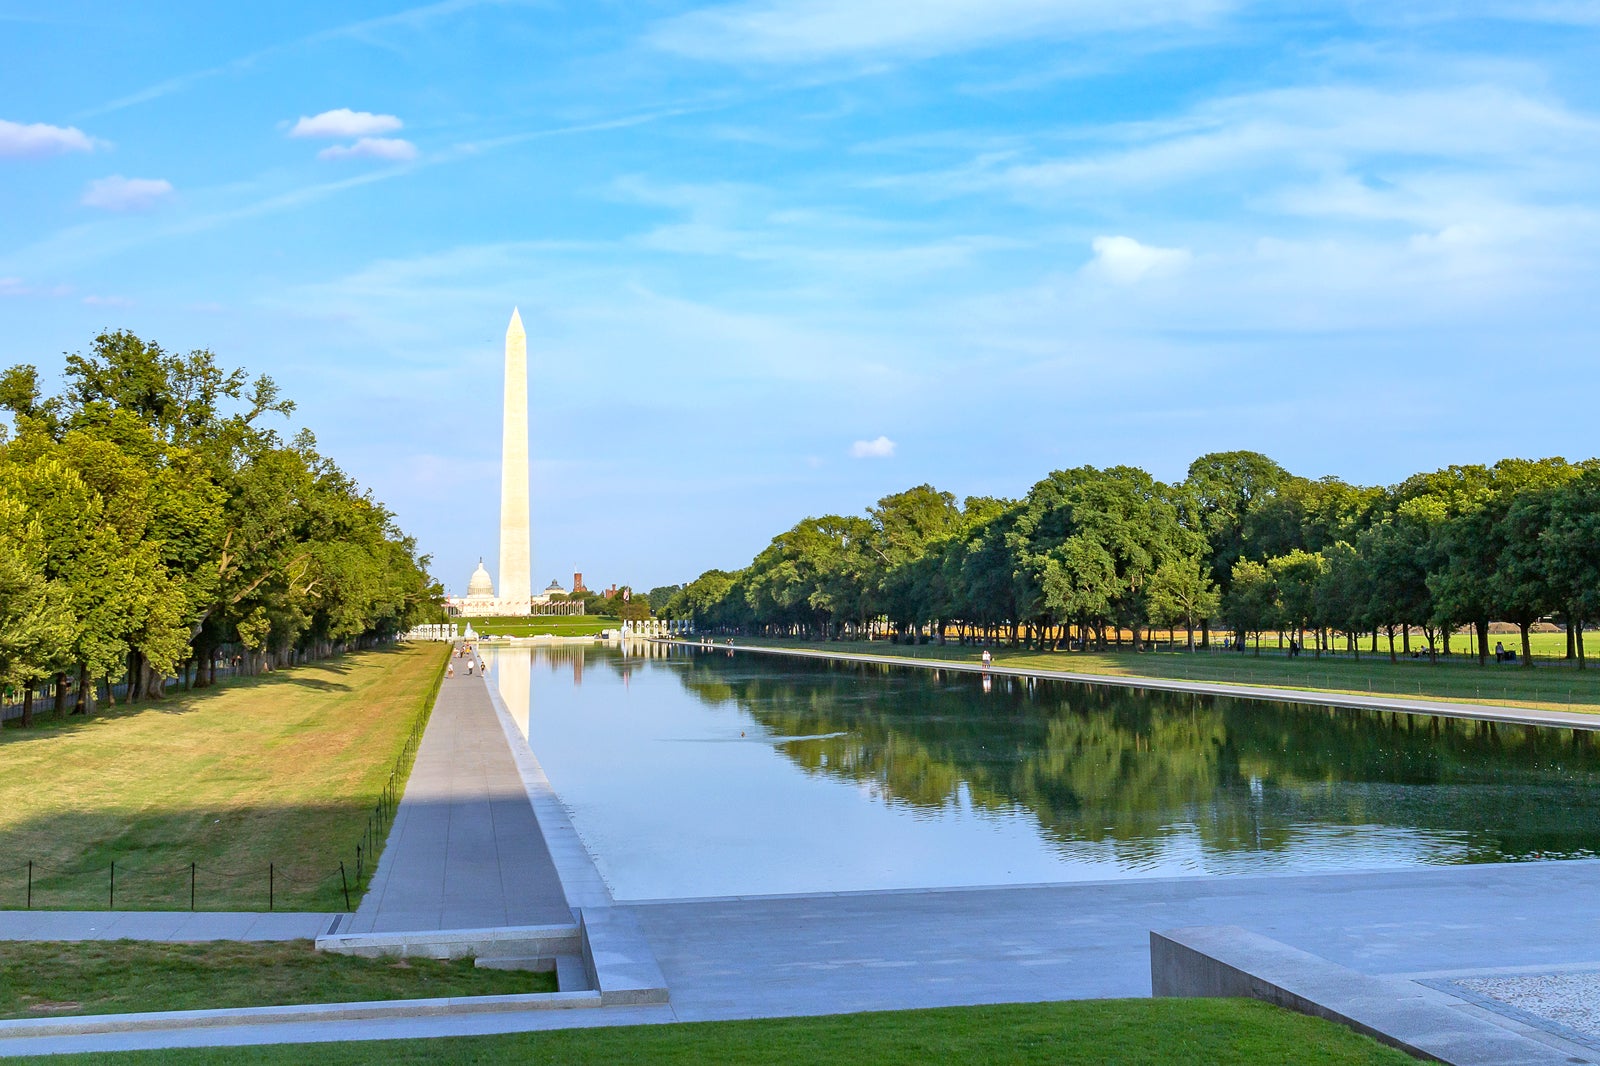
[1230,961]
[520,941]
[617,959]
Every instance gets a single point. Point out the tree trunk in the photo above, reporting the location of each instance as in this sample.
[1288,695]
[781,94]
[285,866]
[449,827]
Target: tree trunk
[85,701]
[1482,627]
[60,709]
[1405,639]
[1527,647]
[1578,633]
[1572,644]
[27,705]
[1390,631]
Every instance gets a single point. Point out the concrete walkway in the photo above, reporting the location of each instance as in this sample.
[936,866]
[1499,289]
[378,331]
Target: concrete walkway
[1483,712]
[783,956]
[465,850]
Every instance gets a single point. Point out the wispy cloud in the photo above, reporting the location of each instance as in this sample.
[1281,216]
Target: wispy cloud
[108,301]
[12,286]
[1123,260]
[390,149]
[877,448]
[32,140]
[118,193]
[1298,130]
[343,122]
[410,18]
[799,31]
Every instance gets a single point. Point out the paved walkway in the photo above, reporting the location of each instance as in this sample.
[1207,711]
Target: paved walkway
[783,956]
[465,851]
[750,957]
[1483,712]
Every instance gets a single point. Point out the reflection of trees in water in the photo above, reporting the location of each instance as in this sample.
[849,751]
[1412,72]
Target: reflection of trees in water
[1125,768]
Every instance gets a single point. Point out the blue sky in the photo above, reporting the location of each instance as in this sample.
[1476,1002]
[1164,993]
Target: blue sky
[781,257]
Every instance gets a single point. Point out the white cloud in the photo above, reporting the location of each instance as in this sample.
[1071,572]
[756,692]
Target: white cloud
[786,31]
[881,448]
[108,301]
[393,149]
[13,286]
[1123,260]
[118,193]
[38,139]
[1315,130]
[343,122]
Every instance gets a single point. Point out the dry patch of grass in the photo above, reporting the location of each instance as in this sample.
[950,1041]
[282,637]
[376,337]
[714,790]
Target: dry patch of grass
[277,770]
[44,980]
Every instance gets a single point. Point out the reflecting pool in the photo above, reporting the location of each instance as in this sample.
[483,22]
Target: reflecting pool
[699,773]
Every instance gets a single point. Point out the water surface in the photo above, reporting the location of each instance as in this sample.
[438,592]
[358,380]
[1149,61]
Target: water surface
[695,773]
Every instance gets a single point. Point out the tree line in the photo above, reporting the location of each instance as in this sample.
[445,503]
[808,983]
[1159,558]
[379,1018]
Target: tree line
[149,520]
[1239,546]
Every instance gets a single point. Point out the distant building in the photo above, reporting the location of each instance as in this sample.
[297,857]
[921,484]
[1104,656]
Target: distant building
[480,600]
[577,583]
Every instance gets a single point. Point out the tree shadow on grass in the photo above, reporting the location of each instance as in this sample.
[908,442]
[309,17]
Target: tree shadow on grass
[248,858]
[304,677]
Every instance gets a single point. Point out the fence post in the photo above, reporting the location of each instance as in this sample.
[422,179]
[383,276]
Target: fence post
[346,885]
[191,886]
[271,886]
[30,884]
[113,905]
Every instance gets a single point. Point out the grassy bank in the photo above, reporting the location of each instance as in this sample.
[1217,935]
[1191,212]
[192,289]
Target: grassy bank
[574,625]
[1458,679]
[49,980]
[1169,1032]
[280,769]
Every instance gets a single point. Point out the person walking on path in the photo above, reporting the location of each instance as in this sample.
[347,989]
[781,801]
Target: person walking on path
[987,658]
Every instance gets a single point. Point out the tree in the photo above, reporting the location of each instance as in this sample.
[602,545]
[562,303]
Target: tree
[1250,605]
[36,620]
[1228,487]
[1182,593]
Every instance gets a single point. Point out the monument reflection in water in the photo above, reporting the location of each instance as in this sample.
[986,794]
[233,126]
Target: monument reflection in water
[705,773]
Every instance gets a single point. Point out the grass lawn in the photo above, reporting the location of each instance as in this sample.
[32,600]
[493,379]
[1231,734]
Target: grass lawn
[1170,1032]
[1460,679]
[281,769]
[48,980]
[568,625]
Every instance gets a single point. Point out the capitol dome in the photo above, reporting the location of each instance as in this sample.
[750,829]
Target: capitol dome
[480,583]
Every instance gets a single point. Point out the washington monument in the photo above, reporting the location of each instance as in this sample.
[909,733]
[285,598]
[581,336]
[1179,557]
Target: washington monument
[516,548]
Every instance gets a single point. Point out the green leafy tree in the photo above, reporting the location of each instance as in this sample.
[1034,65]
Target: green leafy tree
[1250,605]
[1182,593]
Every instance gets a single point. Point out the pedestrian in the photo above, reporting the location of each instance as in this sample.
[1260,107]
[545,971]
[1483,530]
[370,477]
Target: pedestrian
[987,658]
[469,666]
[449,669]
